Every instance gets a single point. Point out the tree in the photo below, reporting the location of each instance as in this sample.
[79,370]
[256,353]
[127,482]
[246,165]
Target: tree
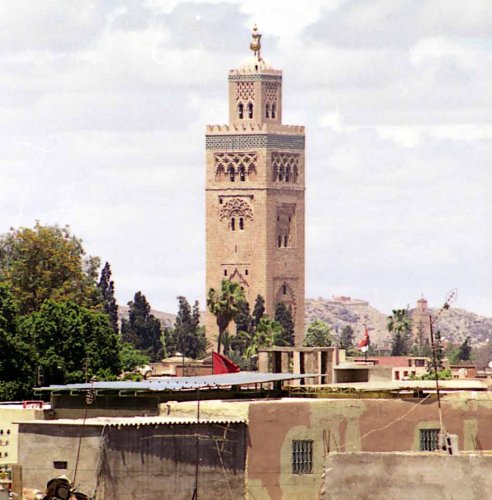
[142,329]
[106,289]
[421,345]
[284,317]
[399,325]
[72,343]
[259,309]
[318,334]
[16,358]
[132,358]
[47,262]
[245,328]
[464,353]
[224,305]
[346,340]
[187,336]
[266,332]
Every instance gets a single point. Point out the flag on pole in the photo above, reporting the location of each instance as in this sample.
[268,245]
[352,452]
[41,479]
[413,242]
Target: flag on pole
[365,342]
[221,364]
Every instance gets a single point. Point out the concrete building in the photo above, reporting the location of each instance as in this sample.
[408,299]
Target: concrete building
[276,449]
[255,183]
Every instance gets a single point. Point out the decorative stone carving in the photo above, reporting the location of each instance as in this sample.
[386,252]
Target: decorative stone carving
[237,166]
[236,207]
[245,91]
[249,141]
[271,92]
[285,167]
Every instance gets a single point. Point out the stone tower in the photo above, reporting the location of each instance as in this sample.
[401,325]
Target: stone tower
[255,185]
[421,320]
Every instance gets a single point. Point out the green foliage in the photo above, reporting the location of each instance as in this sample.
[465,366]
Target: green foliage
[441,375]
[132,358]
[439,351]
[266,333]
[142,329]
[284,317]
[225,305]
[258,310]
[71,343]
[421,346]
[346,340]
[187,336]
[16,366]
[318,334]
[106,289]
[465,350]
[47,262]
[399,325]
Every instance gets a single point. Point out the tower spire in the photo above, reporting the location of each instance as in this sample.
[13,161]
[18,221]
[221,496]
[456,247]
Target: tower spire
[255,44]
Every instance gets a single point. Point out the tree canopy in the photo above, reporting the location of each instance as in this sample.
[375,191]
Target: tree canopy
[142,329]
[47,262]
[16,356]
[318,334]
[225,305]
[106,289]
[71,343]
[346,340]
[399,325]
[284,317]
[187,336]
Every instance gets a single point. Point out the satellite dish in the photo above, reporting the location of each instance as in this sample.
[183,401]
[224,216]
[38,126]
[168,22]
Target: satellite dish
[490,364]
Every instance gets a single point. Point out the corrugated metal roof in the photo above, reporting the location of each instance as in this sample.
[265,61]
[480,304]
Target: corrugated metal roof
[137,421]
[181,383]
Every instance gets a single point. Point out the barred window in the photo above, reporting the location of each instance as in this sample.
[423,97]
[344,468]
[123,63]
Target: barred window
[429,439]
[302,456]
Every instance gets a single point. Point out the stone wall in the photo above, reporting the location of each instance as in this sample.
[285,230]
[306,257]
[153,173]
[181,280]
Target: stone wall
[387,476]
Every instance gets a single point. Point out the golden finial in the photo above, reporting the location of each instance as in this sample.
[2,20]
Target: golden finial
[255,44]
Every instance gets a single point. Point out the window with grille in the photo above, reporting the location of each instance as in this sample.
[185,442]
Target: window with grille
[429,439]
[302,456]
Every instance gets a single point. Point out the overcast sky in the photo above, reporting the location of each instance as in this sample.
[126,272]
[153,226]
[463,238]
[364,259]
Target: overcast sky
[103,107]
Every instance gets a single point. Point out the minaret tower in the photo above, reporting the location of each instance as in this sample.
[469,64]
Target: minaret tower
[255,185]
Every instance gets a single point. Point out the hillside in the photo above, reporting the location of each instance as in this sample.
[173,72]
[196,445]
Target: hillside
[454,324]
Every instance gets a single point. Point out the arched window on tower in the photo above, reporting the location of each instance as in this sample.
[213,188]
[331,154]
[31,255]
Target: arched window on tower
[241,223]
[242,173]
[250,110]
[274,110]
[233,223]
[240,111]
[232,173]
[284,289]
[267,110]
[287,174]
[296,174]
[279,241]
[286,241]
[281,174]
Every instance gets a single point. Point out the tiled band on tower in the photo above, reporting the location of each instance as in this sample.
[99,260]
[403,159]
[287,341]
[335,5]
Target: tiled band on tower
[255,185]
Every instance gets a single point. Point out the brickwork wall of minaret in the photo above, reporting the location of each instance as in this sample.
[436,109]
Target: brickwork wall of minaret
[255,183]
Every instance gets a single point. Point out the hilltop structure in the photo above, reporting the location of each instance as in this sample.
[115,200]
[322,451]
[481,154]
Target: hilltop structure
[255,183]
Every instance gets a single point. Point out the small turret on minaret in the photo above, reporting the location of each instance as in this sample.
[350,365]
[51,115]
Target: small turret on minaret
[255,90]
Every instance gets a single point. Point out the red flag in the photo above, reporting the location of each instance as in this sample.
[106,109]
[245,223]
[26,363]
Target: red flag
[221,364]
[365,342]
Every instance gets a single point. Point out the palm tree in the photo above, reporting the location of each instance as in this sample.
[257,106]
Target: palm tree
[399,324]
[225,305]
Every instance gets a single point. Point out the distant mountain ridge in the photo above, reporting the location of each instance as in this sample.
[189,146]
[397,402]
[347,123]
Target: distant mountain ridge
[454,324]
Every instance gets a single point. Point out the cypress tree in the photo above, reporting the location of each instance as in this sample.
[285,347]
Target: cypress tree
[284,317]
[106,288]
